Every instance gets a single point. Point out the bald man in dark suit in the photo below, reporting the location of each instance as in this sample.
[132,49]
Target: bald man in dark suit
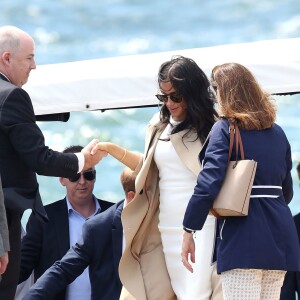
[22,151]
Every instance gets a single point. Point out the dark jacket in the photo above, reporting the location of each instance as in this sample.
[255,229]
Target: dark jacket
[100,248]
[267,237]
[44,244]
[23,152]
[291,284]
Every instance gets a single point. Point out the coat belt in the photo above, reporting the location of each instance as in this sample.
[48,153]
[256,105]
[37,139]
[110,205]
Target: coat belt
[266,191]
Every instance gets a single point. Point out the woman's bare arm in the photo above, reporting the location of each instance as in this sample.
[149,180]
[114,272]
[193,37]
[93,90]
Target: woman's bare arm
[128,158]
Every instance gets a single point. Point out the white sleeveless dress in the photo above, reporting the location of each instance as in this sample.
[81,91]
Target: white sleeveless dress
[176,186]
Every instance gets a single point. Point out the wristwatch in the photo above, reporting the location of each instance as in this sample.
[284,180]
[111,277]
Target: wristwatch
[189,230]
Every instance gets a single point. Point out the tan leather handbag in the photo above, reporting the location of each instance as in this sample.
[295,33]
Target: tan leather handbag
[233,198]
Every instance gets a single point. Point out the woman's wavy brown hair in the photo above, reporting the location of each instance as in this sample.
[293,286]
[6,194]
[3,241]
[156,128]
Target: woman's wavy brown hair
[241,98]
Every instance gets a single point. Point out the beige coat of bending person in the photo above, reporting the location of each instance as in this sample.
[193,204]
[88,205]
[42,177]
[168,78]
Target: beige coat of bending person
[172,141]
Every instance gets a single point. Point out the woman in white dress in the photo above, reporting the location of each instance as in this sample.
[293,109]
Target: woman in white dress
[168,172]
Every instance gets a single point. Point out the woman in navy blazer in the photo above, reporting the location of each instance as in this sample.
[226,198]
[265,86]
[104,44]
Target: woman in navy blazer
[253,252]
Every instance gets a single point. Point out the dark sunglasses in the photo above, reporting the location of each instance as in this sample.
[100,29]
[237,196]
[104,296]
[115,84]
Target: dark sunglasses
[88,175]
[174,97]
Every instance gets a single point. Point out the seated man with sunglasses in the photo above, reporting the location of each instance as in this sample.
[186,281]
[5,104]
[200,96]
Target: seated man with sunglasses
[100,247]
[46,243]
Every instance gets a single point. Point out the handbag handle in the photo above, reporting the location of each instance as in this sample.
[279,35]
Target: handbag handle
[234,131]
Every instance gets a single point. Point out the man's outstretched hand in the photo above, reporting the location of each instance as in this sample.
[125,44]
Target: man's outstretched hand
[89,159]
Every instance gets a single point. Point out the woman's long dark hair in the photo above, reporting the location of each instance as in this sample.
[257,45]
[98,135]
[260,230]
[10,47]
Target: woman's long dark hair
[192,84]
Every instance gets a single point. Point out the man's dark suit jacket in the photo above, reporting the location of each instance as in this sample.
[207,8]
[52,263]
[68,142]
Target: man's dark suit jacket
[291,283]
[45,243]
[100,248]
[23,154]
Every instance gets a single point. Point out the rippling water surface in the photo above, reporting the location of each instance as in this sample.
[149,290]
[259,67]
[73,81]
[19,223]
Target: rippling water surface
[70,30]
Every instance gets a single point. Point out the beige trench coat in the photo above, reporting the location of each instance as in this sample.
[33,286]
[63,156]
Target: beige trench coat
[142,268]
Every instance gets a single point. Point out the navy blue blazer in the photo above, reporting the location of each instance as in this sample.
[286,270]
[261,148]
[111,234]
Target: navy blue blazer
[45,243]
[267,237]
[100,248]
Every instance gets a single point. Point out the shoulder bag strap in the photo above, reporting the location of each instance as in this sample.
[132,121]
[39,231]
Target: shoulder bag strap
[239,141]
[231,132]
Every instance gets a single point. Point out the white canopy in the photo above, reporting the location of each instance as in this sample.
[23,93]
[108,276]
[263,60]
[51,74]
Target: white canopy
[131,81]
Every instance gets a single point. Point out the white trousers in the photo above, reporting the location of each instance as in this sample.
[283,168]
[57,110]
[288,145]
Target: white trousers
[252,284]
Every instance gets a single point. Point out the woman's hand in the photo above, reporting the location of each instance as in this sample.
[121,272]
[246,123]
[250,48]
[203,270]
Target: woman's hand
[89,159]
[128,158]
[102,147]
[188,250]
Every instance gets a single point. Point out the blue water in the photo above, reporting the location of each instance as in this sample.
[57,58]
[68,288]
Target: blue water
[70,30]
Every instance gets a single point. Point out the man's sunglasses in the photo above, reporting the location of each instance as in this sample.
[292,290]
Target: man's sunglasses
[164,97]
[88,175]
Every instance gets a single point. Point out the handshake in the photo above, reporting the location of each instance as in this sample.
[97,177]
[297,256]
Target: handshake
[96,150]
[93,153]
